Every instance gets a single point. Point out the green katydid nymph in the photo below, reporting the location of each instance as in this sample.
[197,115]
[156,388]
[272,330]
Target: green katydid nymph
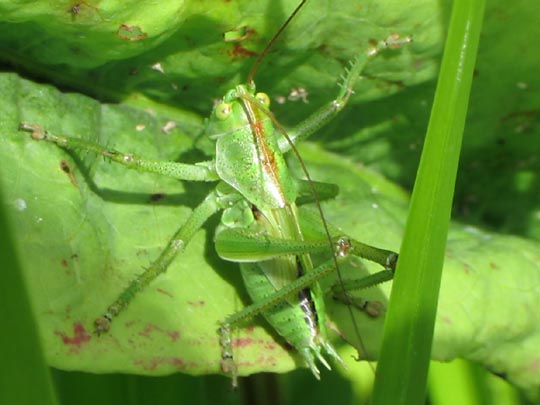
[261,227]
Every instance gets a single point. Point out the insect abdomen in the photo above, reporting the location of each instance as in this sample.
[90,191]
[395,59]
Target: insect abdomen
[296,319]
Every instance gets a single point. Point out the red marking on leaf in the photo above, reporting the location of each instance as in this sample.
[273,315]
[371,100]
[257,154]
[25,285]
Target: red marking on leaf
[267,360]
[447,320]
[175,335]
[130,323]
[80,336]
[493,265]
[200,303]
[177,361]
[242,342]
[270,346]
[150,328]
[239,51]
[155,362]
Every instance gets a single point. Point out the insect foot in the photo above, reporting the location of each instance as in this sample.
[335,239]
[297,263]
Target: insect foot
[373,309]
[38,133]
[228,366]
[343,247]
[394,41]
[103,323]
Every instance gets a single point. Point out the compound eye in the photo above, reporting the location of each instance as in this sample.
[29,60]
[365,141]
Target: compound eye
[263,98]
[223,110]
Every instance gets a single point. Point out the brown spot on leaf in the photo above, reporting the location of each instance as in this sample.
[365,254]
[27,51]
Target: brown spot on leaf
[66,168]
[200,303]
[239,51]
[270,346]
[131,33]
[164,292]
[79,8]
[447,320]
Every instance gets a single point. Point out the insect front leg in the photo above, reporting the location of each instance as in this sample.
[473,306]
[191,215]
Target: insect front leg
[326,113]
[198,172]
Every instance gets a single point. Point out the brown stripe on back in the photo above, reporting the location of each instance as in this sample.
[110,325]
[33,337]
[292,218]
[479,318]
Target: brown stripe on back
[267,156]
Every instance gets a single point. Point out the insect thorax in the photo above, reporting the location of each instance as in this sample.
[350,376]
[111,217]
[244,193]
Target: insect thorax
[247,153]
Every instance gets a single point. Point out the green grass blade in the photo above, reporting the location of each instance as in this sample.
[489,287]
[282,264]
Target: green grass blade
[25,378]
[411,313]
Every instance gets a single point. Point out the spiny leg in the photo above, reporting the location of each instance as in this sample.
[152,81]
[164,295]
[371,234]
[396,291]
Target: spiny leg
[331,109]
[242,243]
[199,172]
[310,222]
[177,243]
[340,291]
[322,117]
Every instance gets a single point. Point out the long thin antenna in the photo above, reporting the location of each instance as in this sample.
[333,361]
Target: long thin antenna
[297,154]
[272,41]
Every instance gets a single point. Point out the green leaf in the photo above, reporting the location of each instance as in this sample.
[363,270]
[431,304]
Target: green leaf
[85,226]
[185,60]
